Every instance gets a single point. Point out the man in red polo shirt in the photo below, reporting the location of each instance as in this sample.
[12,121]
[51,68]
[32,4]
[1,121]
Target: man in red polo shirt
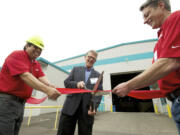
[20,74]
[166,61]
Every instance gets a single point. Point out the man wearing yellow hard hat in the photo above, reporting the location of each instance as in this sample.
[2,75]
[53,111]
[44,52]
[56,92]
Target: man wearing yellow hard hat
[20,74]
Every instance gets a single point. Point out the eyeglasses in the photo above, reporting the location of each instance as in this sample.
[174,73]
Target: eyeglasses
[90,57]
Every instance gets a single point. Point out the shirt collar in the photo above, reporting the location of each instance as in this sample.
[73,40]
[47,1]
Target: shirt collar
[163,25]
[32,61]
[88,69]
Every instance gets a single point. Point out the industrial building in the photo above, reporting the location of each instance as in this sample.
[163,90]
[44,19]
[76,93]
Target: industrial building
[121,63]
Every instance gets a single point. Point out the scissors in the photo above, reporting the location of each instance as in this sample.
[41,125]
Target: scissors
[96,92]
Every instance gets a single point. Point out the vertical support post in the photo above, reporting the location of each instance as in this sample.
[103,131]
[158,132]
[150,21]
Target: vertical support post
[156,109]
[111,108]
[57,112]
[169,111]
[29,119]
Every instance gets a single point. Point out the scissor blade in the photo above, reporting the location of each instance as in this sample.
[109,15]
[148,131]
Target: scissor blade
[98,81]
[101,93]
[92,102]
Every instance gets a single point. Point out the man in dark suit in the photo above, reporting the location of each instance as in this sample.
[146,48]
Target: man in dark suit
[76,107]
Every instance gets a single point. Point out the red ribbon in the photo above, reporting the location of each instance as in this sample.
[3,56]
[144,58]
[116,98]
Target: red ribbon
[146,94]
[140,94]
[33,100]
[73,91]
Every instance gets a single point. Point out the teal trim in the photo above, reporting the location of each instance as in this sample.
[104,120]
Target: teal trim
[122,44]
[128,43]
[69,58]
[47,62]
[120,59]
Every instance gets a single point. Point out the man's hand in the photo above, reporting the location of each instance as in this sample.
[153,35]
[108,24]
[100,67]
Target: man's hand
[91,112]
[80,84]
[53,94]
[121,89]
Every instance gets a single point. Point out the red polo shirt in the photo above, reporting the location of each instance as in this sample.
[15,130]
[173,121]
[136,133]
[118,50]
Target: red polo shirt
[168,46]
[16,63]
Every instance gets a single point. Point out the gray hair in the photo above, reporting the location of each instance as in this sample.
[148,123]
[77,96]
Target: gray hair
[154,3]
[92,51]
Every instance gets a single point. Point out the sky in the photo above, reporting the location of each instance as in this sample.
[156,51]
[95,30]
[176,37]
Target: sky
[72,27]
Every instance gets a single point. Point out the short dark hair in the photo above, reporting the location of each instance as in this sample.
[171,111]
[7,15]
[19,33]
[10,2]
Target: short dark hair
[27,44]
[154,3]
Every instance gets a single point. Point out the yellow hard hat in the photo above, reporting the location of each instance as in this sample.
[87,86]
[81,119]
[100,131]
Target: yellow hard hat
[37,41]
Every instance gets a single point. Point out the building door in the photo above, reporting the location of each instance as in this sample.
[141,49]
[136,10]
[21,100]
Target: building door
[129,104]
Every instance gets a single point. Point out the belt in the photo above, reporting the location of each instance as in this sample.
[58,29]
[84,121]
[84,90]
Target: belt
[12,97]
[173,95]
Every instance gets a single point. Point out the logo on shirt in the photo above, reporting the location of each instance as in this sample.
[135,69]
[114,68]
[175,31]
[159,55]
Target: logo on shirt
[160,36]
[36,70]
[175,46]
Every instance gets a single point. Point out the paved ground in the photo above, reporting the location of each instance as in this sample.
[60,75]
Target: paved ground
[108,123]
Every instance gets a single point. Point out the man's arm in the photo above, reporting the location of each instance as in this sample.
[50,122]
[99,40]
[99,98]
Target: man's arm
[69,82]
[46,81]
[159,69]
[30,80]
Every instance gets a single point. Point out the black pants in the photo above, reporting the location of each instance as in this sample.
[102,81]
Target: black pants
[11,116]
[67,124]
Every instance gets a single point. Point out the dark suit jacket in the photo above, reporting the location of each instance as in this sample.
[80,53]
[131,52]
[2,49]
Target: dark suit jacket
[72,101]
